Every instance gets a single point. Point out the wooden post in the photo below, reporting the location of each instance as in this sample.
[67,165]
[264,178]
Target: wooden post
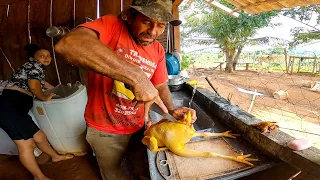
[292,63]
[247,66]
[286,59]
[289,64]
[317,66]
[299,65]
[252,101]
[126,4]
[314,65]
[109,7]
[176,29]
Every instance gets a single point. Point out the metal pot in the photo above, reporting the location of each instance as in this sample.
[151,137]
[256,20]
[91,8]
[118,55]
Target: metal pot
[175,82]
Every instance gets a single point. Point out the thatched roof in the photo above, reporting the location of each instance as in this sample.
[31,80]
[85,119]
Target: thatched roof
[258,6]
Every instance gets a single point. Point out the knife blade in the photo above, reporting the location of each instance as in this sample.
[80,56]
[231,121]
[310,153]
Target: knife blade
[155,108]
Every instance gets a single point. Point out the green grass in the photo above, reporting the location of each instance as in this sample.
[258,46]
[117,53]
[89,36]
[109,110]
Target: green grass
[208,60]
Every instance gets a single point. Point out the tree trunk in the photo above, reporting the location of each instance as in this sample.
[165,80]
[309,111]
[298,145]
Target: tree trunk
[236,58]
[229,59]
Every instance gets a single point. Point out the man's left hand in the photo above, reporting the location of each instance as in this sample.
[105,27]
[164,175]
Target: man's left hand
[181,113]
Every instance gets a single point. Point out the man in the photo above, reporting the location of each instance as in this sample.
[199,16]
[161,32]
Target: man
[128,74]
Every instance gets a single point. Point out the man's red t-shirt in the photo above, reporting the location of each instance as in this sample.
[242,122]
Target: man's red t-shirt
[110,107]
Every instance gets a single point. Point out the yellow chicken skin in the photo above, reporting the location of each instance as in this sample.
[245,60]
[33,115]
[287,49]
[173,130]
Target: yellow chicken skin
[166,134]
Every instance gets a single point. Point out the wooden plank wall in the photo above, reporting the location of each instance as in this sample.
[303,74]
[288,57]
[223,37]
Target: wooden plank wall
[39,22]
[63,15]
[13,34]
[90,11]
[14,31]
[4,66]
[109,7]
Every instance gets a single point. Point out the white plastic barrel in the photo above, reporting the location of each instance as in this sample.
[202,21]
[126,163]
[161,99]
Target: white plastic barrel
[7,146]
[62,120]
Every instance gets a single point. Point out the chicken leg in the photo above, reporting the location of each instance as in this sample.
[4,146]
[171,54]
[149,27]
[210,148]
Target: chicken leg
[224,134]
[186,152]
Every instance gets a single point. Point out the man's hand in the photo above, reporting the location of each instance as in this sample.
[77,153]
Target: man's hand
[145,93]
[181,113]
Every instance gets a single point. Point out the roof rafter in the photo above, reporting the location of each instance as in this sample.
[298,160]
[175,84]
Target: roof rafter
[222,7]
[255,4]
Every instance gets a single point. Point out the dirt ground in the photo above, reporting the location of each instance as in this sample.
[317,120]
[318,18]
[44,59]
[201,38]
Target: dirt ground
[300,111]
[301,98]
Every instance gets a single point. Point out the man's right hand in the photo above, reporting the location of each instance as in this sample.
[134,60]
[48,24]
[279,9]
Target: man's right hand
[145,93]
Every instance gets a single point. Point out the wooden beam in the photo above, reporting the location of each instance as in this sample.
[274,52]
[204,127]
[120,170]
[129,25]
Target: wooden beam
[222,7]
[254,4]
[177,3]
[304,57]
[176,29]
[6,2]
[126,4]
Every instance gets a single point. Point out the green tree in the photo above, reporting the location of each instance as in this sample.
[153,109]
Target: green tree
[231,34]
[309,16]
[187,61]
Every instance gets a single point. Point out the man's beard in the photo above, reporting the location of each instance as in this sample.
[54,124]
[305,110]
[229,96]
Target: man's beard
[145,35]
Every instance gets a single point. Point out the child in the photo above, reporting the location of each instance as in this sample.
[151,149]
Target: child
[16,101]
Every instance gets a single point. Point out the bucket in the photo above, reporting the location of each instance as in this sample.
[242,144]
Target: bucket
[173,64]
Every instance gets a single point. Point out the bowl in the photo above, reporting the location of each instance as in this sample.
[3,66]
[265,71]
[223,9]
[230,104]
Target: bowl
[175,80]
